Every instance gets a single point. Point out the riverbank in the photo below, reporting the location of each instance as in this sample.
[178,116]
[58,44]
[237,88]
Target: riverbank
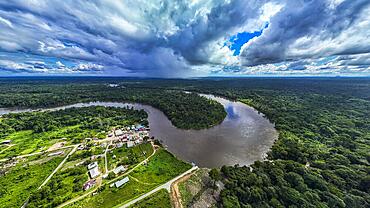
[244,136]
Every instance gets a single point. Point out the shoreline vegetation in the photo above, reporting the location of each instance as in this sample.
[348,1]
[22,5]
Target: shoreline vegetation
[36,131]
[88,128]
[184,110]
[321,158]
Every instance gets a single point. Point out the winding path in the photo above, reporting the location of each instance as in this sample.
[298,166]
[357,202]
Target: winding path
[111,181]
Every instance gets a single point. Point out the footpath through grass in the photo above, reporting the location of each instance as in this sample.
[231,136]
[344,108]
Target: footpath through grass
[162,167]
[128,156]
[21,180]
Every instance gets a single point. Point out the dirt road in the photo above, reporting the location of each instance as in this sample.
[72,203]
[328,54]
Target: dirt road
[175,192]
[166,186]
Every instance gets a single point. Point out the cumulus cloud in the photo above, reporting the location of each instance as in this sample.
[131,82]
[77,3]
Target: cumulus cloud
[314,28]
[182,38]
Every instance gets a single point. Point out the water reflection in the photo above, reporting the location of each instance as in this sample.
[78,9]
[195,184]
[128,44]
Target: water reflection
[242,138]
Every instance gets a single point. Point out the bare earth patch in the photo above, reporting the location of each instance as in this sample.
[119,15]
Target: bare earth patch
[56,146]
[196,190]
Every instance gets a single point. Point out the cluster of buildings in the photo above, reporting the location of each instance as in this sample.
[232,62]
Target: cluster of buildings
[130,136]
[93,173]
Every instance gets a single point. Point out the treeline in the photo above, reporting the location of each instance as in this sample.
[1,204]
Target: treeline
[89,118]
[185,110]
[322,156]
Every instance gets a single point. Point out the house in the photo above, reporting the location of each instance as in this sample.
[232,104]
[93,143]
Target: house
[119,145]
[56,153]
[119,169]
[94,172]
[121,182]
[92,165]
[139,141]
[6,142]
[89,184]
[113,85]
[130,144]
[118,132]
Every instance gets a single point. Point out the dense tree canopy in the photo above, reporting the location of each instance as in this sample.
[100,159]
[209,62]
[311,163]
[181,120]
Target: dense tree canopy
[321,158]
[185,110]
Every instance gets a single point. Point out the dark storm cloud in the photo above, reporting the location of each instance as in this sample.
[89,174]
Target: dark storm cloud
[298,65]
[180,38]
[314,19]
[191,40]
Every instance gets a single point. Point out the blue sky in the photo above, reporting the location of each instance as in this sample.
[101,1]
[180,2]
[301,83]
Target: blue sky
[237,41]
[185,38]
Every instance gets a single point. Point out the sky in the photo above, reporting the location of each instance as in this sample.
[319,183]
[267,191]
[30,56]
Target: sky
[185,38]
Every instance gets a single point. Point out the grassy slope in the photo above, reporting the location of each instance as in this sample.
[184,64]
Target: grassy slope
[160,199]
[17,184]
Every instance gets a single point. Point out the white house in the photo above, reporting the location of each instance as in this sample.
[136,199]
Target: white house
[119,169]
[118,132]
[121,182]
[94,172]
[92,165]
[130,144]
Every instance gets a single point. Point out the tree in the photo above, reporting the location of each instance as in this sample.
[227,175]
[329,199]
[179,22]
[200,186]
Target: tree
[215,175]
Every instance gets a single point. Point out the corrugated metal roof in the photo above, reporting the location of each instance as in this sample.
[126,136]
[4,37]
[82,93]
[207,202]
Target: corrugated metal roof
[121,182]
[119,169]
[94,172]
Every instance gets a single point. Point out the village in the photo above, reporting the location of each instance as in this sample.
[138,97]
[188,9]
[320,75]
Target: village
[125,162]
[126,137]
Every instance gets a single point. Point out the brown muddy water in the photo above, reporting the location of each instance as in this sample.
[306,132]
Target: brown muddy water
[242,138]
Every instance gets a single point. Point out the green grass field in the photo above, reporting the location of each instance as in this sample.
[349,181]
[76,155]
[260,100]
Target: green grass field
[63,186]
[110,197]
[160,199]
[27,141]
[162,167]
[129,156]
[22,179]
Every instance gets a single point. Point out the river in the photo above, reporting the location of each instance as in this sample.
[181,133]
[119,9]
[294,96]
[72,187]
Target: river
[242,138]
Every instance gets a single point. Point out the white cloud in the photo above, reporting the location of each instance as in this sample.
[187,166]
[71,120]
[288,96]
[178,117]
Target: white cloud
[186,38]
[6,22]
[87,67]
